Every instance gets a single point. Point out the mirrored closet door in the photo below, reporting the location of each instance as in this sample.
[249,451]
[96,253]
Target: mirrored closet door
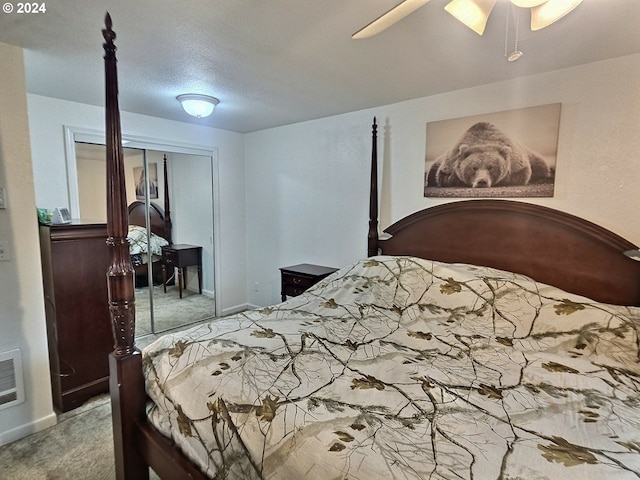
[170,205]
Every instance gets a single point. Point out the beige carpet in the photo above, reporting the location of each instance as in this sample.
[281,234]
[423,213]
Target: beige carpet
[79,446]
[170,311]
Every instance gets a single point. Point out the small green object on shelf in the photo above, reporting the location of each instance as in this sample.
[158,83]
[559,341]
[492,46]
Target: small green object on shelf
[44,216]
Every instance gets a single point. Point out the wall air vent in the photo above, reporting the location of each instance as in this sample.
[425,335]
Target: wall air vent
[11,379]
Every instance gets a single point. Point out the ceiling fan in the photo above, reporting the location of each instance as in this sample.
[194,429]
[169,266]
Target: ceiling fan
[473,13]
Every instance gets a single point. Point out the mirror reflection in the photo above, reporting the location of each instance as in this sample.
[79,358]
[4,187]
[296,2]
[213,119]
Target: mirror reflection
[170,231]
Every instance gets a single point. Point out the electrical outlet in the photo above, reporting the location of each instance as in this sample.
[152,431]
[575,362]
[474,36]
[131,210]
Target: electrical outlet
[4,251]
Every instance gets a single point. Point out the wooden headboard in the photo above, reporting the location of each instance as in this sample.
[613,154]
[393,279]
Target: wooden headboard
[548,245]
[138,216]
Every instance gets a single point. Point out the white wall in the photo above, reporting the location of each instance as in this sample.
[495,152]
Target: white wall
[47,119]
[21,297]
[192,212]
[92,186]
[307,184]
[307,198]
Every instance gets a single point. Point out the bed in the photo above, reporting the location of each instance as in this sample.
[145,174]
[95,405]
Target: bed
[146,248]
[482,339]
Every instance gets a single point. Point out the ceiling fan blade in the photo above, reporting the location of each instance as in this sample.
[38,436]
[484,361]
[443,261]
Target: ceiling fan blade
[472,13]
[387,19]
[551,11]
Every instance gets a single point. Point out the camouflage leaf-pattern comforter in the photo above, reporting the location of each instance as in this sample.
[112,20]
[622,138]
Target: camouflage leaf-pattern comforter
[401,368]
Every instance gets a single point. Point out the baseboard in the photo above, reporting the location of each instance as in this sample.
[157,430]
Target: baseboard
[235,309]
[251,306]
[206,293]
[28,429]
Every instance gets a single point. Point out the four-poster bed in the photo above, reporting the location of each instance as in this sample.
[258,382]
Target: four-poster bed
[378,372]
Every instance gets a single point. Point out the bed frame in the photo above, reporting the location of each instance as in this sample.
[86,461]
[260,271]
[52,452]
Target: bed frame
[550,246]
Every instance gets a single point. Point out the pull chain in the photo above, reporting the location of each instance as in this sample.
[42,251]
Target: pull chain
[516,54]
[506,31]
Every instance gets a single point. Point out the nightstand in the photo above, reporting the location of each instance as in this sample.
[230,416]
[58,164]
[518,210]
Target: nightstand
[181,256]
[297,278]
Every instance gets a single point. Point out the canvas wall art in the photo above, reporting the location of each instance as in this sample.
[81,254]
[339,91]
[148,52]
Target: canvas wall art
[502,154]
[138,174]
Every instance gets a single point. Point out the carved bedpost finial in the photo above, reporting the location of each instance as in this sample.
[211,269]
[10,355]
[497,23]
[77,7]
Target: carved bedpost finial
[109,35]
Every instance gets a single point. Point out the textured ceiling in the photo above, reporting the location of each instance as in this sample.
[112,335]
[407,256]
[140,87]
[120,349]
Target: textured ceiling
[276,62]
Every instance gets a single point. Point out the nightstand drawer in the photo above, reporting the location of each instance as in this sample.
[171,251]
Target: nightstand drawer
[297,278]
[181,255]
[291,291]
[169,257]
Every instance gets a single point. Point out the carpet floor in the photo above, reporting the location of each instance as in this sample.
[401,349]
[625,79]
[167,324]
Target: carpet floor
[169,310]
[79,446]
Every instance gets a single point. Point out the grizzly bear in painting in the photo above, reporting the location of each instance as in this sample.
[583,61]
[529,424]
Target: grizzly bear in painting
[485,157]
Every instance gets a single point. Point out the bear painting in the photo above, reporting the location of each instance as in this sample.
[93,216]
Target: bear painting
[485,157]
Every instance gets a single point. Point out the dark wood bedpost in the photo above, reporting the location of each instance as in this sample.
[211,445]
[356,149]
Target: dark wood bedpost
[373,194]
[125,365]
[167,206]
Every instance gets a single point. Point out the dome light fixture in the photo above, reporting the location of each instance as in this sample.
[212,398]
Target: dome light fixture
[197,105]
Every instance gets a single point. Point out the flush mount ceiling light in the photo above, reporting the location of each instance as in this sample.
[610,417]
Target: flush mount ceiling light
[197,105]
[473,13]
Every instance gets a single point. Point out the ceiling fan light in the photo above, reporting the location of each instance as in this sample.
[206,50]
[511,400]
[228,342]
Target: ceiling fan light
[551,11]
[197,105]
[473,13]
[527,3]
